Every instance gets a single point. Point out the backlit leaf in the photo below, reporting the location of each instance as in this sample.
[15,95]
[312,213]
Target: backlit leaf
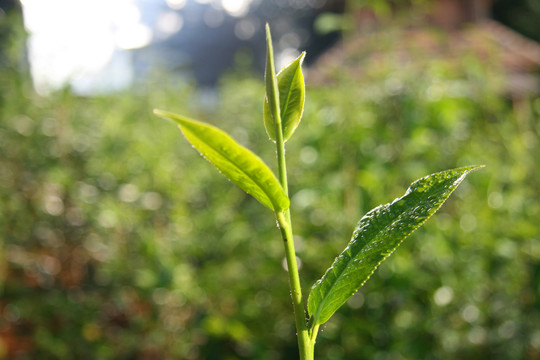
[237,163]
[272,90]
[378,234]
[291,100]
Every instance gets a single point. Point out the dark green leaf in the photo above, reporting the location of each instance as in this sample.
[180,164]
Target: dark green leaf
[237,163]
[291,100]
[378,234]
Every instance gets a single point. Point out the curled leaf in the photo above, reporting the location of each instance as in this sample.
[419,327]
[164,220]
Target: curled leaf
[291,100]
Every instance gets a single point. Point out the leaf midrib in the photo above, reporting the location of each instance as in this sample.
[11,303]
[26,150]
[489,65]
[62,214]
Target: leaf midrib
[351,258]
[289,92]
[276,206]
[447,190]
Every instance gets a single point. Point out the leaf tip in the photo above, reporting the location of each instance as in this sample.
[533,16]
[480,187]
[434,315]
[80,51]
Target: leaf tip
[268,33]
[167,116]
[470,168]
[302,57]
[162,114]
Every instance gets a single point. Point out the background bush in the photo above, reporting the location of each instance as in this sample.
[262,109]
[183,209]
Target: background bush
[119,242]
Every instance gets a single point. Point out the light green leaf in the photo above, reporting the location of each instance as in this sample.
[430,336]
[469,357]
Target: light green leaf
[291,100]
[378,234]
[272,90]
[237,163]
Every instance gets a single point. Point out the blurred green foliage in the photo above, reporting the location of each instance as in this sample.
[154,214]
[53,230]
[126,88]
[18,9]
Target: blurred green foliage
[119,242]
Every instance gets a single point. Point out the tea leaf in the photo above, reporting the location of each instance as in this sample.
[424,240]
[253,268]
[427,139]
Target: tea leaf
[237,163]
[378,234]
[272,89]
[291,100]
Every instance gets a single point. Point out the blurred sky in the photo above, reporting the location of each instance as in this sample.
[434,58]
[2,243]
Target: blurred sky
[103,45]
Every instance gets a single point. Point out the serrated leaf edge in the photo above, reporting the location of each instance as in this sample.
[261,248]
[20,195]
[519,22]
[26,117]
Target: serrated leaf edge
[466,170]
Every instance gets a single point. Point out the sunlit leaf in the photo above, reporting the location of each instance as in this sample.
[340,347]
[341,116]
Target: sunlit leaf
[237,163]
[271,98]
[291,100]
[378,234]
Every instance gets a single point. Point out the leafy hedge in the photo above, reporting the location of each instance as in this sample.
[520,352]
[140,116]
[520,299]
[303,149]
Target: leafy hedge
[118,243]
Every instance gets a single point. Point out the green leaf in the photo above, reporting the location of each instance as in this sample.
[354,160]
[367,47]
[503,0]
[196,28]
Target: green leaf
[291,100]
[237,163]
[378,234]
[272,91]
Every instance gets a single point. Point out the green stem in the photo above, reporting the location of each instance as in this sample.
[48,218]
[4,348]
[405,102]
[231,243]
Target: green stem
[305,345]
[312,337]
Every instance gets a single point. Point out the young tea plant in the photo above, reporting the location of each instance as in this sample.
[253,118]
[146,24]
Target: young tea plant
[377,234]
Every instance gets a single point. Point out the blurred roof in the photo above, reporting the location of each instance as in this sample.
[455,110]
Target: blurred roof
[475,35]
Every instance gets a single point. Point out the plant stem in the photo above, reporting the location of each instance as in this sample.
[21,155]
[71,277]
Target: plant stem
[312,337]
[285,226]
[305,346]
